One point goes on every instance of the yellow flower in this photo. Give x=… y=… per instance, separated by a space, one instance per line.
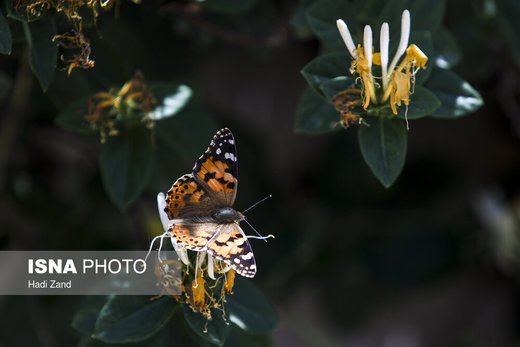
x=133 y=102
x=397 y=82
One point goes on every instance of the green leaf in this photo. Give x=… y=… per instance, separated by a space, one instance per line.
x=507 y=16
x=6 y=40
x=126 y=162
x=422 y=103
x=228 y=7
x=324 y=68
x=423 y=40
x=425 y=14
x=171 y=98
x=249 y=309
x=447 y=51
x=322 y=16
x=332 y=87
x=127 y=318
x=383 y=146
x=73 y=117
x=299 y=22
x=43 y=52
x=240 y=338
x=457 y=96
x=214 y=330
x=314 y=115
x=188 y=132
x=85 y=318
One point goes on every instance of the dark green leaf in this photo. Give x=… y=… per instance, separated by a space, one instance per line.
x=324 y=68
x=127 y=318
x=447 y=51
x=43 y=52
x=457 y=96
x=508 y=11
x=249 y=309
x=422 y=103
x=322 y=16
x=314 y=115
x=425 y=14
x=6 y=40
x=299 y=21
x=73 y=117
x=390 y=12
x=383 y=146
x=228 y=6
x=332 y=87
x=171 y=98
x=188 y=132
x=214 y=330
x=423 y=40
x=126 y=162
x=239 y=338
x=86 y=317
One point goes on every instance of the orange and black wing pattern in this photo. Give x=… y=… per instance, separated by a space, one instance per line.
x=186 y=198
x=225 y=242
x=217 y=169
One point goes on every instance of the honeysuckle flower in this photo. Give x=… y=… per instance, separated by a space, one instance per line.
x=130 y=104
x=205 y=280
x=397 y=80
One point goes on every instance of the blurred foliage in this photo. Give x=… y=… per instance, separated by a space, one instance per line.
x=435 y=251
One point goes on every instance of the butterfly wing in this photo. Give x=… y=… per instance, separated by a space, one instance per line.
x=212 y=184
x=187 y=198
x=226 y=242
x=216 y=169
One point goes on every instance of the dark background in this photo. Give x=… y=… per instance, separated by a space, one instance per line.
x=431 y=261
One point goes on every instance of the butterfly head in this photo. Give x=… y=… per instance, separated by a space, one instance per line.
x=227 y=215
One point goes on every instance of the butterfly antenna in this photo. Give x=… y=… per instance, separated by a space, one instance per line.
x=256 y=203
x=259 y=237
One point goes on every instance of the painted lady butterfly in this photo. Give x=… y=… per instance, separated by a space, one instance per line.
x=200 y=207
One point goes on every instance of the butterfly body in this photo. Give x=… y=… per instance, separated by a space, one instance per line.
x=199 y=206
x=227 y=215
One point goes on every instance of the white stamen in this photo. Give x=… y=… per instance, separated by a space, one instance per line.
x=226 y=268
x=181 y=251
x=160 y=248
x=198 y=265
x=165 y=234
x=347 y=38
x=403 y=43
x=211 y=270
x=367 y=44
x=384 y=41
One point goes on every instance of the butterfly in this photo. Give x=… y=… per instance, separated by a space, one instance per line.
x=199 y=205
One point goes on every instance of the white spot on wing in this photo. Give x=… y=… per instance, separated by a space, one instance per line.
x=230 y=156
